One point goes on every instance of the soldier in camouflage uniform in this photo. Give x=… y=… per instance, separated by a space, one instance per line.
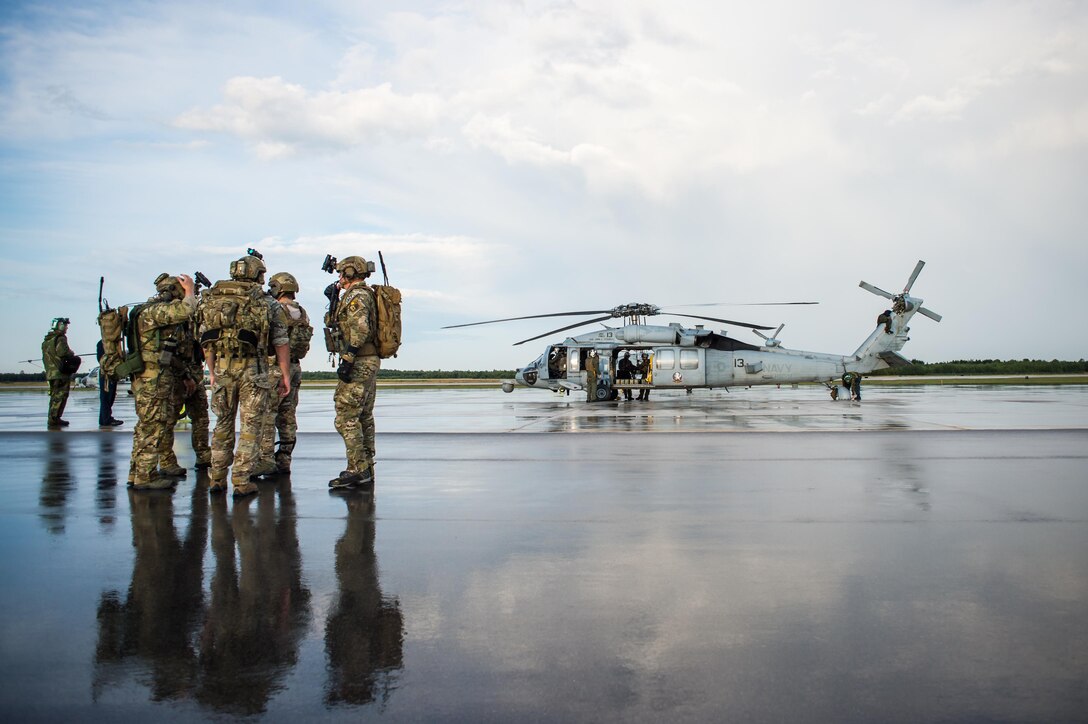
x=356 y=320
x=190 y=395
x=55 y=350
x=280 y=416
x=156 y=324
x=235 y=338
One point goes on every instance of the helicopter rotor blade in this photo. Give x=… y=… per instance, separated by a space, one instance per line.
x=564 y=329
x=723 y=321
x=531 y=316
x=739 y=304
x=930 y=313
x=913 y=276
x=876 y=290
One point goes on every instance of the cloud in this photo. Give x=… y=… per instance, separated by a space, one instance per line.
x=278 y=117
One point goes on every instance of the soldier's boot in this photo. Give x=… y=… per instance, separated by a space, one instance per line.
x=241 y=490
x=172 y=471
x=217 y=486
x=264 y=468
x=153 y=482
x=353 y=479
x=203 y=462
x=283 y=456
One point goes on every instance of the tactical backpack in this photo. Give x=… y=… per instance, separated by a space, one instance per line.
x=387 y=334
x=299 y=331
x=233 y=319
x=133 y=359
x=112 y=323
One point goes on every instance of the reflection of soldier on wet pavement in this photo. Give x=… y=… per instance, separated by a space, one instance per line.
x=57 y=485
x=364 y=633
x=260 y=609
x=148 y=637
x=106 y=497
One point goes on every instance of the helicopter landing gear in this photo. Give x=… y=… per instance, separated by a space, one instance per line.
x=602 y=393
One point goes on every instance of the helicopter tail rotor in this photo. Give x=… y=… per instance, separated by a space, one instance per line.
x=901 y=300
x=876 y=290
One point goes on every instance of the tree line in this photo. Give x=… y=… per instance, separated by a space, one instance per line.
x=988 y=367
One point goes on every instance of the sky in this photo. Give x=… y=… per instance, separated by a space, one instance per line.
x=518 y=158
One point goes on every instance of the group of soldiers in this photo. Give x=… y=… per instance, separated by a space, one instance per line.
x=252 y=341
x=627 y=369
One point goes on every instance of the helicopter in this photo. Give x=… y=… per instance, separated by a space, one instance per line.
x=686 y=358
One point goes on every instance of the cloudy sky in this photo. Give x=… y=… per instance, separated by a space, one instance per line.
x=515 y=158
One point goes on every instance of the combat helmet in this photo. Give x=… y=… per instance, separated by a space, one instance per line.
x=248 y=269
x=355 y=267
x=169 y=286
x=282 y=283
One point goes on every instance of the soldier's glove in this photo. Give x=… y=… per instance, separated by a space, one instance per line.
x=344 y=370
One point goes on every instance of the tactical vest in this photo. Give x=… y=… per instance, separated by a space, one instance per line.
x=233 y=319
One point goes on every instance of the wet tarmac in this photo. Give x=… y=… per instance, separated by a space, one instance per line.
x=920 y=557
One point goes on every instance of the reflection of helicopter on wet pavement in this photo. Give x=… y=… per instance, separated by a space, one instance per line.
x=689 y=358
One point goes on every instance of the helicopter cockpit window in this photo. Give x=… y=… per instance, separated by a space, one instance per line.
x=557 y=362
x=665 y=359
x=689 y=359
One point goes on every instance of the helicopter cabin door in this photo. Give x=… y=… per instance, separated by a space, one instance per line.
x=679 y=367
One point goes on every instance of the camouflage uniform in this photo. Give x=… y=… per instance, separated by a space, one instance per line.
x=54 y=349
x=156 y=323
x=354 y=397
x=280 y=415
x=190 y=369
x=266 y=431
x=241 y=387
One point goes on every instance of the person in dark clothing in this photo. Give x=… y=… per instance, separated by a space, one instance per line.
x=626 y=373
x=107 y=392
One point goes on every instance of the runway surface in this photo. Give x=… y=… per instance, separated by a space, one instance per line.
x=920 y=557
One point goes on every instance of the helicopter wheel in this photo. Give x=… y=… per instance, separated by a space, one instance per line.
x=602 y=394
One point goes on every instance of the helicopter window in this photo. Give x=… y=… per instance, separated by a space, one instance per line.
x=689 y=359
x=573 y=365
x=665 y=359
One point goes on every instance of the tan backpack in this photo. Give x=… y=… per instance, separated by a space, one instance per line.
x=233 y=319
x=387 y=338
x=112 y=323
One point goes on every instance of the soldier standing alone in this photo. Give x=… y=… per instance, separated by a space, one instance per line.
x=356 y=319
x=237 y=327
x=60 y=364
